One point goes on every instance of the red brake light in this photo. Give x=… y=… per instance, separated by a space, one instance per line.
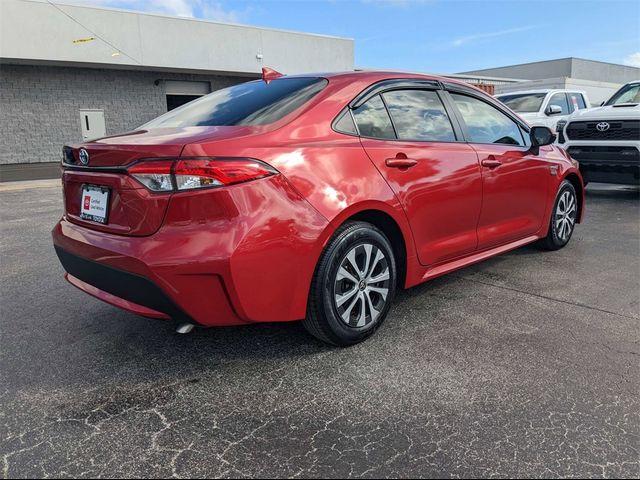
x=197 y=173
x=191 y=173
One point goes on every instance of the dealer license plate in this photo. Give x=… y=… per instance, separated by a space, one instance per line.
x=94 y=204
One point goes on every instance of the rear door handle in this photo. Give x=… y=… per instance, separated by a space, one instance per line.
x=491 y=162
x=400 y=161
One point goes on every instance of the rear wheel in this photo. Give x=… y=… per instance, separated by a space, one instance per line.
x=563 y=217
x=353 y=286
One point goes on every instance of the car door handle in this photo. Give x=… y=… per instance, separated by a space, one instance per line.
x=400 y=161
x=491 y=162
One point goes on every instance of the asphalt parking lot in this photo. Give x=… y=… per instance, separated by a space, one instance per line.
x=524 y=365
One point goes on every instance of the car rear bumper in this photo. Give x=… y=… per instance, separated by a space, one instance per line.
x=243 y=254
x=121 y=279
x=125 y=290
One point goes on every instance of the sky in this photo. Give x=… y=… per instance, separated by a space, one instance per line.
x=438 y=36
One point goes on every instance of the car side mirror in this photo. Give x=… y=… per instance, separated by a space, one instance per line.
x=553 y=110
x=541 y=136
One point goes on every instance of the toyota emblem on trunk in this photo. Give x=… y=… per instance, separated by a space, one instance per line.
x=84 y=156
x=603 y=126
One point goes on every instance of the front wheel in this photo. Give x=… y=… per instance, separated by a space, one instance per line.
x=353 y=286
x=563 y=217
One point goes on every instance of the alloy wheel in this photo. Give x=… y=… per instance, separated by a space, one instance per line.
x=361 y=286
x=565 y=215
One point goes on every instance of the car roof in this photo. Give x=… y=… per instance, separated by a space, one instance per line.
x=372 y=76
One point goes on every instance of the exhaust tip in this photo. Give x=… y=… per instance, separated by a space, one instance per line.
x=185 y=328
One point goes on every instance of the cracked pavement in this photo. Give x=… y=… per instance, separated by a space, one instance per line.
x=525 y=365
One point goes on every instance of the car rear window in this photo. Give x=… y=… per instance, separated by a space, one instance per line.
x=251 y=103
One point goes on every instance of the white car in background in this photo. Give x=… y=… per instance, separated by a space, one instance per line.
x=606 y=140
x=545 y=107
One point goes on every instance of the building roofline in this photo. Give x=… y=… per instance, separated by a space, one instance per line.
x=125 y=67
x=70 y=3
x=547 y=61
x=482 y=77
x=446 y=75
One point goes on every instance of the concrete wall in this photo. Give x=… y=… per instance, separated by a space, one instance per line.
x=33 y=31
x=530 y=71
x=39 y=106
x=601 y=71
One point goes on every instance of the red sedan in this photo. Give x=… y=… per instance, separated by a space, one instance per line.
x=309 y=198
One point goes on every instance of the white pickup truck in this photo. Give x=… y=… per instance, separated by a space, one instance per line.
x=545 y=107
x=606 y=140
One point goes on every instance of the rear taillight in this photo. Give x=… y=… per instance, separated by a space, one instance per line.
x=191 y=173
x=154 y=174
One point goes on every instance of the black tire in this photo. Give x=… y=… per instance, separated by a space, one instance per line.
x=338 y=324
x=559 y=235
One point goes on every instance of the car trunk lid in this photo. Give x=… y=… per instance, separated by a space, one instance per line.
x=100 y=165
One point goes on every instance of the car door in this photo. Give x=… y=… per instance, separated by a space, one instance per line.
x=411 y=139
x=515 y=182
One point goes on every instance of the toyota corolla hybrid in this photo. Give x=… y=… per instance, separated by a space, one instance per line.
x=309 y=198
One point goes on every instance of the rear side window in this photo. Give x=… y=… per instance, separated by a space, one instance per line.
x=344 y=123
x=559 y=99
x=251 y=103
x=373 y=120
x=576 y=102
x=419 y=115
x=485 y=123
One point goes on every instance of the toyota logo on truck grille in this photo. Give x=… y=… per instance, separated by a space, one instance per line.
x=602 y=126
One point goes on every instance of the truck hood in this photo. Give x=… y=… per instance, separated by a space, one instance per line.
x=529 y=116
x=610 y=112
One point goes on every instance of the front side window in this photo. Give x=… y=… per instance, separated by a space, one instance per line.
x=560 y=99
x=627 y=94
x=251 y=103
x=373 y=120
x=485 y=123
x=523 y=102
x=419 y=115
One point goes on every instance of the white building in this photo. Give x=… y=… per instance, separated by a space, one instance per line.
x=69 y=71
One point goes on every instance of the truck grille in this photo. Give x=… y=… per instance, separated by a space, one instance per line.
x=600 y=155
x=618 y=130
